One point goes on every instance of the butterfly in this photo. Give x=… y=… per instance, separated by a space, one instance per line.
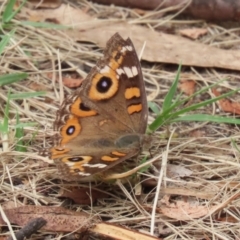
x=102 y=123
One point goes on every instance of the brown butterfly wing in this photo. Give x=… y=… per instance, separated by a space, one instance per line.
x=101 y=124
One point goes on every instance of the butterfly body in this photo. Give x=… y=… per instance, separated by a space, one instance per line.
x=102 y=123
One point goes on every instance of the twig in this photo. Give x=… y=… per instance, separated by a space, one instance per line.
x=31 y=227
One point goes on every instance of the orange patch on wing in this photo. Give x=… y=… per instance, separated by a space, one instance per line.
x=94 y=94
x=132 y=92
x=119 y=154
x=109 y=159
x=75 y=109
x=58 y=152
x=114 y=64
x=134 y=108
x=71 y=122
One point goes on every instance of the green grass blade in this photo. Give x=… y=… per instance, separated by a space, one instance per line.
x=4 y=125
x=158 y=122
x=202 y=104
x=11 y=78
x=144 y=169
x=25 y=95
x=5 y=40
x=207 y=118
x=19 y=135
x=171 y=113
x=182 y=102
x=170 y=95
x=203 y=90
x=9 y=12
x=44 y=25
x=154 y=107
x=235 y=145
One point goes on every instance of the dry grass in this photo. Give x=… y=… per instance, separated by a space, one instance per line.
x=27 y=178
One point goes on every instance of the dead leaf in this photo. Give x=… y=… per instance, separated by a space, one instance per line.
x=177 y=171
x=227 y=105
x=193 y=33
x=48 y=100
x=8 y=204
x=37 y=87
x=188 y=87
x=63 y=220
x=58 y=219
x=160 y=47
x=64 y=14
x=84 y=196
x=185 y=210
x=197 y=133
x=71 y=81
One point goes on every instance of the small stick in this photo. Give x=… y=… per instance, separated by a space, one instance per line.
x=30 y=228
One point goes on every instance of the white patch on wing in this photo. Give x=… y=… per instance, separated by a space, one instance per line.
x=119 y=71
x=98 y=165
x=106 y=69
x=68 y=106
x=123 y=50
x=70 y=164
x=129 y=48
x=128 y=72
x=134 y=71
x=75 y=98
x=83 y=174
